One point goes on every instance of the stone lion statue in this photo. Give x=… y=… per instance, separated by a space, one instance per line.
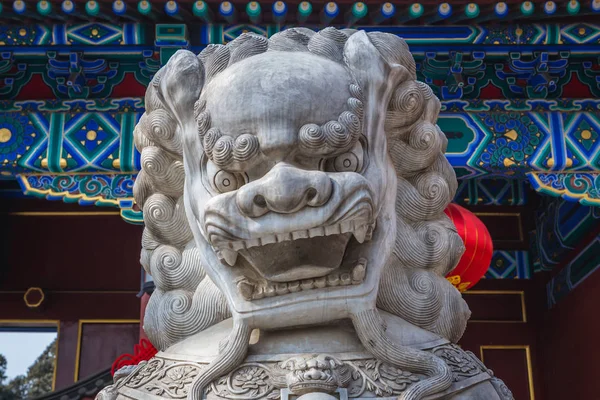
x=293 y=191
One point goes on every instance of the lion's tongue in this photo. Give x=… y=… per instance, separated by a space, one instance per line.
x=298 y=259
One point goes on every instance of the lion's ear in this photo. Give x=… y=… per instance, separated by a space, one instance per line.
x=180 y=84
x=372 y=72
x=377 y=79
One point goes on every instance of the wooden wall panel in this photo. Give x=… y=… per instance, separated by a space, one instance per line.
x=513 y=364
x=496 y=305
x=569 y=335
x=70 y=252
x=504 y=332
x=101 y=342
x=72 y=306
x=67 y=351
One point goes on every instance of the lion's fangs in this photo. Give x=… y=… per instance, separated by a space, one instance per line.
x=228 y=251
x=252 y=291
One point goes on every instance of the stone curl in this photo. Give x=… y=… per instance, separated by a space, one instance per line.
x=163 y=129
x=413 y=294
x=164 y=171
x=328 y=43
x=215 y=58
x=333 y=137
x=425 y=300
x=223 y=150
x=294 y=39
x=174 y=269
x=151 y=99
x=140 y=140
x=166 y=220
x=419 y=151
x=246 y=45
x=142 y=189
x=173 y=315
x=406 y=105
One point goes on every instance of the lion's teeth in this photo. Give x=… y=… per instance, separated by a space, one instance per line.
x=236 y=246
x=229 y=256
x=314 y=232
x=307 y=284
x=269 y=239
x=300 y=235
x=345 y=226
x=246 y=289
x=283 y=237
x=333 y=279
x=359 y=271
x=370 y=231
x=252 y=243
x=293 y=286
x=320 y=282
x=281 y=288
x=259 y=293
x=270 y=290
x=332 y=230
x=345 y=279
x=360 y=233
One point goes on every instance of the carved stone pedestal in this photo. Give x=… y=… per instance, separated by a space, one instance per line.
x=315 y=363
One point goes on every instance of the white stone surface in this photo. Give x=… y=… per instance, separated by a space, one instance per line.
x=294 y=187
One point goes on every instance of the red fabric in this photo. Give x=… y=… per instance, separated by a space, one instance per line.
x=141 y=352
x=478 y=247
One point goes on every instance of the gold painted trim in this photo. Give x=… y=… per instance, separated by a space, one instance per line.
x=39 y=302
x=80 y=334
x=40 y=322
x=508 y=214
x=56 y=357
x=527 y=357
x=29 y=321
x=27 y=189
x=541 y=187
x=521 y=293
x=62 y=213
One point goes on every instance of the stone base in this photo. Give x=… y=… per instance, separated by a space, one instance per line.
x=290 y=364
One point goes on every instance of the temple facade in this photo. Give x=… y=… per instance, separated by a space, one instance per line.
x=519 y=84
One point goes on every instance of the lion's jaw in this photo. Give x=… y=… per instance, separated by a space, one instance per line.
x=284 y=253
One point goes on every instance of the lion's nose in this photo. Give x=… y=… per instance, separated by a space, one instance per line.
x=285 y=190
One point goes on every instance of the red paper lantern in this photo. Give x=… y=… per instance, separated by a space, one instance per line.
x=478 y=248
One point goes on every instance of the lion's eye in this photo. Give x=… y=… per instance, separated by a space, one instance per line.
x=226 y=181
x=347 y=162
x=350 y=161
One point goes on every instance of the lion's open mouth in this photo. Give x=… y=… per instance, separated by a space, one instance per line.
x=278 y=264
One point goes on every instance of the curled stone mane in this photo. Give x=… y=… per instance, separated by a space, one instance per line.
x=185 y=301
x=426 y=248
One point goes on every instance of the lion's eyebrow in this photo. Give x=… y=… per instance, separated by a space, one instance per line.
x=233 y=165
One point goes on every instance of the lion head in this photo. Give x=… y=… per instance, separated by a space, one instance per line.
x=314 y=187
